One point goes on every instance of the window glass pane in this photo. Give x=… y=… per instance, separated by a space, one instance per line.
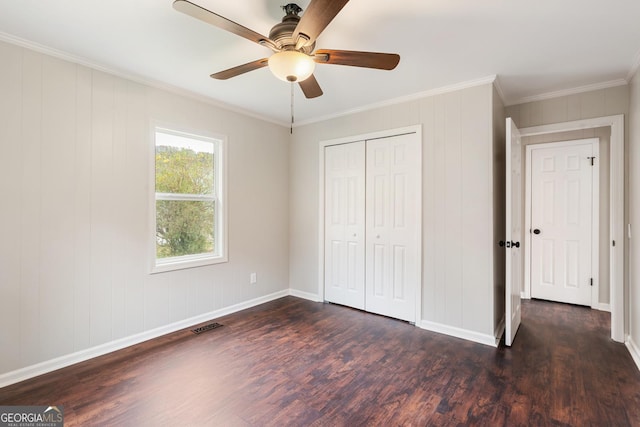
x=183 y=165
x=184 y=228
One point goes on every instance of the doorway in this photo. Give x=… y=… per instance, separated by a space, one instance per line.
x=562 y=215
x=616 y=245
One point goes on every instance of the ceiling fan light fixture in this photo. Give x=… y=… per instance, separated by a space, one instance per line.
x=291 y=66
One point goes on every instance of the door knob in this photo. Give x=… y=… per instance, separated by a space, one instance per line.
x=509 y=244
x=536 y=231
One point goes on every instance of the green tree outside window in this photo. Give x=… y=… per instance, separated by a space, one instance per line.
x=185 y=196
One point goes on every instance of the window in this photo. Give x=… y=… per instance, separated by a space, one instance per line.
x=189 y=210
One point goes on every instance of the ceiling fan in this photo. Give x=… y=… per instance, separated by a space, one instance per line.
x=293 y=43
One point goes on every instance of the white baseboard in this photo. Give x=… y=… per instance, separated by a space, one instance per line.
x=602 y=307
x=83 y=355
x=460 y=333
x=305 y=295
x=634 y=350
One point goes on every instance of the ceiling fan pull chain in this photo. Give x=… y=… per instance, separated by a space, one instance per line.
x=291 y=108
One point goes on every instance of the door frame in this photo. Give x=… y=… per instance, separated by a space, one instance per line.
x=417 y=130
x=616 y=207
x=595 y=216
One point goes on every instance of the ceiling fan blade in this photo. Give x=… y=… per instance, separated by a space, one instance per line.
x=241 y=69
x=380 y=61
x=212 y=18
x=310 y=87
x=315 y=19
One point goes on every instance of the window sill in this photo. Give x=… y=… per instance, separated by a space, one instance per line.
x=187 y=262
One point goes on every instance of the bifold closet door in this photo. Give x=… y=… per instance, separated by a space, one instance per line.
x=393 y=167
x=344 y=224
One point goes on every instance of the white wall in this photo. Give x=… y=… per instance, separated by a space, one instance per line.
x=458 y=201
x=75 y=154
x=634 y=217
x=586 y=105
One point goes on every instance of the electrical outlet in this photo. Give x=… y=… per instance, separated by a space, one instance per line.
x=253 y=278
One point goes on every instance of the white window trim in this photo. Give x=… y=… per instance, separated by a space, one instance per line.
x=220 y=200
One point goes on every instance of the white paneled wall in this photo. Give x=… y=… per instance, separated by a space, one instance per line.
x=11 y=248
x=634 y=218
x=75 y=159
x=586 y=105
x=458 y=201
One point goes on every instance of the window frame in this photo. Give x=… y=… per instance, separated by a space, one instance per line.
x=220 y=254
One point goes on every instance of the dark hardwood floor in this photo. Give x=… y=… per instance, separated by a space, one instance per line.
x=294 y=362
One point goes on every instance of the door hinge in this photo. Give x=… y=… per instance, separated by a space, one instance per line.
x=613 y=243
x=591 y=281
x=591 y=158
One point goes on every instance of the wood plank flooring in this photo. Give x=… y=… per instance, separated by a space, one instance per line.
x=293 y=362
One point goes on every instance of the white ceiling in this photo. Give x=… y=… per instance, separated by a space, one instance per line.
x=535 y=47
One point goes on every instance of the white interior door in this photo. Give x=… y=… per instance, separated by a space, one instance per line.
x=562 y=221
x=344 y=224
x=513 y=207
x=393 y=234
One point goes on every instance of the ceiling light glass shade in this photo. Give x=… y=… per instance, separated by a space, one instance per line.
x=291 y=66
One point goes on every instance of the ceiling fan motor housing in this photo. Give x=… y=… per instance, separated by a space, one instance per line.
x=281 y=33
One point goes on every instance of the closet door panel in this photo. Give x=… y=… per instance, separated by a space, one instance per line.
x=392 y=235
x=344 y=224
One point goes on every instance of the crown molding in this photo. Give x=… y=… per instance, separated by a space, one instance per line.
x=46 y=50
x=498 y=87
x=395 y=101
x=566 y=92
x=634 y=67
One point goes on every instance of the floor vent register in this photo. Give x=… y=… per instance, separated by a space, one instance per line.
x=207 y=327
